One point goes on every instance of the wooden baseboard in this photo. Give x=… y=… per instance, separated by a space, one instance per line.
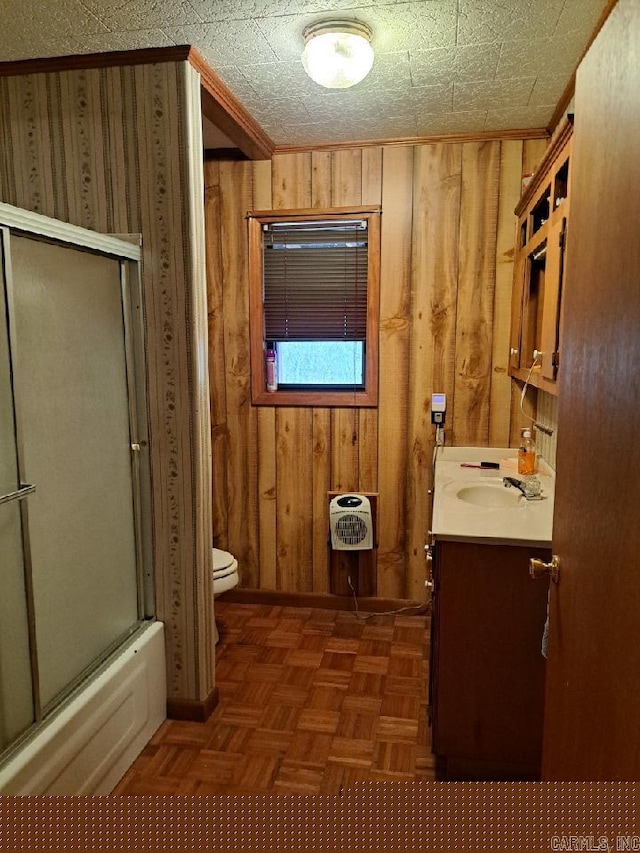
x=275 y=598
x=194 y=710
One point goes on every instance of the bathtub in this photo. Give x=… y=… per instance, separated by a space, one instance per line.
x=88 y=744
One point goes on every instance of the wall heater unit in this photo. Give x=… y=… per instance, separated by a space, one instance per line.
x=351 y=523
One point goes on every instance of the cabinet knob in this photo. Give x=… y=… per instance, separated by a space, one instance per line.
x=513 y=351
x=539 y=569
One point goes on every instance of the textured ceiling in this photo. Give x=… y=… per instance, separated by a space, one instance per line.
x=441 y=67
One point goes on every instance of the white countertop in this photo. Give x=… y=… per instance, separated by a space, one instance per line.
x=530 y=522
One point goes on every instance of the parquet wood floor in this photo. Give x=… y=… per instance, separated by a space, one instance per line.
x=310 y=701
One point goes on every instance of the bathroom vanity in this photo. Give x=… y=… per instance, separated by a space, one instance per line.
x=487 y=669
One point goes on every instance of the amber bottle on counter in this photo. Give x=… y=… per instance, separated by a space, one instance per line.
x=527 y=460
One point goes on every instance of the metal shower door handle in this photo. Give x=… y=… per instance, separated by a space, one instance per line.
x=20 y=494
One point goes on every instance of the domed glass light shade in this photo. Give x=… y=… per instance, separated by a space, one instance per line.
x=337 y=54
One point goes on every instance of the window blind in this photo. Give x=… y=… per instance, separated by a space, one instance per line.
x=315 y=281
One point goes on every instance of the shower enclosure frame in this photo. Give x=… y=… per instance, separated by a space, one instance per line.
x=127 y=253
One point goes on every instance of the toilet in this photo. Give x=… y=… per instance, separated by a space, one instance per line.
x=225 y=574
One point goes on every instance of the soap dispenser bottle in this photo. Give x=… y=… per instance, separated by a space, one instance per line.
x=527 y=461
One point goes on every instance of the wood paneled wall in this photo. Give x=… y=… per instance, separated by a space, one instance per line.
x=448 y=234
x=119 y=149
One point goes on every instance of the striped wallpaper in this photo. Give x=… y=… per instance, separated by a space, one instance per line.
x=118 y=150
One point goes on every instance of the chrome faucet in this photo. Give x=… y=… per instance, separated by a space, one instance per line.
x=530 y=487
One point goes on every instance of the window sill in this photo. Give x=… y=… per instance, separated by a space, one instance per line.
x=338 y=399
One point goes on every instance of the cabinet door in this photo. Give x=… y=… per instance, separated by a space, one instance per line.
x=534 y=299
x=554 y=277
x=488 y=683
x=539 y=268
x=516 y=313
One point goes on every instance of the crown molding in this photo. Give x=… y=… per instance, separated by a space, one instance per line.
x=221 y=107
x=482 y=136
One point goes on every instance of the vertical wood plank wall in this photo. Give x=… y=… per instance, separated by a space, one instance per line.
x=448 y=234
x=119 y=150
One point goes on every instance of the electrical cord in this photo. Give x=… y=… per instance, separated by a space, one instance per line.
x=545 y=429
x=365 y=616
x=440 y=441
x=525 y=388
x=426 y=605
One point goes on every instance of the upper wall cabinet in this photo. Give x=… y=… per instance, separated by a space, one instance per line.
x=536 y=319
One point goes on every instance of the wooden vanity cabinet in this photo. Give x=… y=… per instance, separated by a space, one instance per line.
x=541 y=236
x=487 y=669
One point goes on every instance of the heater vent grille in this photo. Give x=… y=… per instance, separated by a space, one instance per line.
x=351 y=523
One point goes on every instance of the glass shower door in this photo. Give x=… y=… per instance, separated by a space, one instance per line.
x=16 y=694
x=72 y=397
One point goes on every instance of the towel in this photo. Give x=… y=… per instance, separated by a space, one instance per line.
x=545 y=633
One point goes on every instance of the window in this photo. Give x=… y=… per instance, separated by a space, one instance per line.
x=314 y=284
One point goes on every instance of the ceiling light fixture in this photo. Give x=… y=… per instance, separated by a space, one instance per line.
x=338 y=53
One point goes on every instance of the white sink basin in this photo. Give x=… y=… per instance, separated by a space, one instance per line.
x=473 y=505
x=491 y=495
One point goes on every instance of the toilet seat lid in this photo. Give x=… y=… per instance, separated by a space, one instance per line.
x=221 y=559
x=223 y=573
